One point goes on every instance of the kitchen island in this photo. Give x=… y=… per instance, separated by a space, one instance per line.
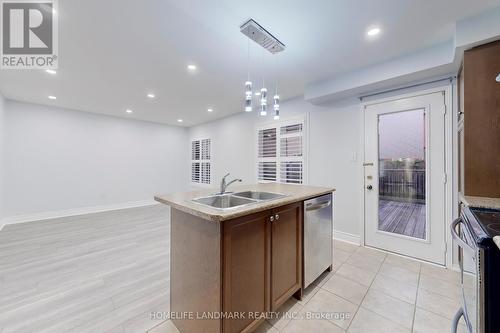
x=231 y=267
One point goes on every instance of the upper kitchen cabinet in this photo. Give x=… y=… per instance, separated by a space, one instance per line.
x=479 y=136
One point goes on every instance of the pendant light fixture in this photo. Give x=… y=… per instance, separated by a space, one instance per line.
x=248 y=96
x=248 y=83
x=263 y=101
x=261 y=36
x=263 y=90
x=276 y=98
x=276 y=107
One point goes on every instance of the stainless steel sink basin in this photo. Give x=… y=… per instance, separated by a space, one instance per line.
x=257 y=195
x=233 y=200
x=224 y=201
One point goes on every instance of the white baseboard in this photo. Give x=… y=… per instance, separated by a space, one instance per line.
x=72 y=212
x=346 y=237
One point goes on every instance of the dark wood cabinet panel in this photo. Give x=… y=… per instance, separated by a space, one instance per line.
x=262 y=260
x=481 y=95
x=286 y=251
x=246 y=269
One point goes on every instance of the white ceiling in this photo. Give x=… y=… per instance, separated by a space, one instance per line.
x=113 y=52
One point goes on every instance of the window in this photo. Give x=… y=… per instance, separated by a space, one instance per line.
x=200 y=161
x=281 y=152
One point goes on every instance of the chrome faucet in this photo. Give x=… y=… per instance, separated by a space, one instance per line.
x=224 y=185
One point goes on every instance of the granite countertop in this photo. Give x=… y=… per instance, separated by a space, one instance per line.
x=294 y=193
x=480 y=202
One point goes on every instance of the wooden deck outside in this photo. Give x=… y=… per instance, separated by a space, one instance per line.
x=404 y=218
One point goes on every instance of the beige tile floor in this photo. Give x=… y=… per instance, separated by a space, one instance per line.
x=376 y=292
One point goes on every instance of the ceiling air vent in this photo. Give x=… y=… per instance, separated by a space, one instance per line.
x=261 y=36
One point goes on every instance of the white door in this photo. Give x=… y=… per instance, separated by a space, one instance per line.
x=405 y=176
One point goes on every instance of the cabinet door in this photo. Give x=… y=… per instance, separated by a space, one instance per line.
x=247 y=265
x=286 y=252
x=481 y=121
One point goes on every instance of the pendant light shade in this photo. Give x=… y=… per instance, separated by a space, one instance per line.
x=248 y=96
x=263 y=102
x=276 y=107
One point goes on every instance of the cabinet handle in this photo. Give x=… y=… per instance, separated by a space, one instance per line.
x=277 y=217
x=271 y=219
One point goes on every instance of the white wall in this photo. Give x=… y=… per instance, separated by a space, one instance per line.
x=58 y=159
x=334 y=136
x=2 y=144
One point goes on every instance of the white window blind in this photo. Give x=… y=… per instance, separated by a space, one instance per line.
x=281 y=152
x=200 y=161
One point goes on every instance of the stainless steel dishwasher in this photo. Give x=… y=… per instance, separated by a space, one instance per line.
x=318 y=237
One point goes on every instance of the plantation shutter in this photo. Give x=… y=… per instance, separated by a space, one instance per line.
x=291 y=154
x=267 y=154
x=281 y=153
x=200 y=161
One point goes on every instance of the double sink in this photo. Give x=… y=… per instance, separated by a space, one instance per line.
x=238 y=199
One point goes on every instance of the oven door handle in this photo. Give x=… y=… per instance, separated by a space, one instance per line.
x=456 y=319
x=459 y=239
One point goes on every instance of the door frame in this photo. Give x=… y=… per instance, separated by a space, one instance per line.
x=450 y=204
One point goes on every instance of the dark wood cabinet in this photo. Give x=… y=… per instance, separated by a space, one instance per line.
x=262 y=264
x=286 y=252
x=479 y=134
x=246 y=269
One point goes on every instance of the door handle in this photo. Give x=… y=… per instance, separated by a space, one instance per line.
x=271 y=219
x=276 y=217
x=369 y=187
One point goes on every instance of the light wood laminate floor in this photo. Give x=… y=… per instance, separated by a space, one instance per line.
x=101 y=272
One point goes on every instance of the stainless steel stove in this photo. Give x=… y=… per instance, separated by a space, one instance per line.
x=479 y=259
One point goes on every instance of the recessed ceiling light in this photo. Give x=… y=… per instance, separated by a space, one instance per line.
x=150 y=95
x=179 y=120
x=51 y=71
x=192 y=67
x=210 y=110
x=257 y=93
x=129 y=111
x=373 y=31
x=52 y=97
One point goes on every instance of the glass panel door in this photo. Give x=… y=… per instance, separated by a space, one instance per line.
x=405 y=176
x=402 y=173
